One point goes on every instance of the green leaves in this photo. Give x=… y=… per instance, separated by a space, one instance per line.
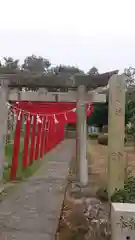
x=126 y=195
x=36 y=64
x=100 y=115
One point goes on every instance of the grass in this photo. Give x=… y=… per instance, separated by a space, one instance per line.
x=21 y=173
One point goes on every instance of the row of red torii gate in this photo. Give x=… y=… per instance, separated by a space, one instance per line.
x=44 y=129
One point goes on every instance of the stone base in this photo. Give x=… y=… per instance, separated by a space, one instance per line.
x=102 y=194
x=78 y=191
x=77 y=198
x=72 y=178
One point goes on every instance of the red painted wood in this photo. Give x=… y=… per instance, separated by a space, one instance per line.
x=25 y=159
x=16 y=147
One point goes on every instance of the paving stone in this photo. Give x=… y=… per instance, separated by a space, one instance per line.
x=33 y=210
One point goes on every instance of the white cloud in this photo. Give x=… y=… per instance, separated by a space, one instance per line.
x=86 y=33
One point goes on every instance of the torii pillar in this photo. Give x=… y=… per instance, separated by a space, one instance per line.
x=82 y=162
x=3 y=123
x=81 y=142
x=116 y=134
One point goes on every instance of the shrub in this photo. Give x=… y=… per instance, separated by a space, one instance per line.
x=93 y=135
x=103 y=139
x=126 y=195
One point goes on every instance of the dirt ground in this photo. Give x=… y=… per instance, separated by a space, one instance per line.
x=97 y=157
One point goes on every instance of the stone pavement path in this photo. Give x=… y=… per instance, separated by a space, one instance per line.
x=32 y=211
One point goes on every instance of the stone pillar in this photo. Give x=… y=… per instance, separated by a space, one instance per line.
x=7 y=140
x=82 y=164
x=3 y=123
x=116 y=133
x=18 y=94
x=42 y=93
x=57 y=98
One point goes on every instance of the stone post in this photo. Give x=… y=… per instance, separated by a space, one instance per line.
x=18 y=94
x=42 y=93
x=57 y=98
x=116 y=133
x=82 y=164
x=7 y=140
x=3 y=123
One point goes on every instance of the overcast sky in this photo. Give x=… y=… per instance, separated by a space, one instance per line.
x=74 y=32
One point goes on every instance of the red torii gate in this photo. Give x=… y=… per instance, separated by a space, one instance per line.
x=44 y=128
